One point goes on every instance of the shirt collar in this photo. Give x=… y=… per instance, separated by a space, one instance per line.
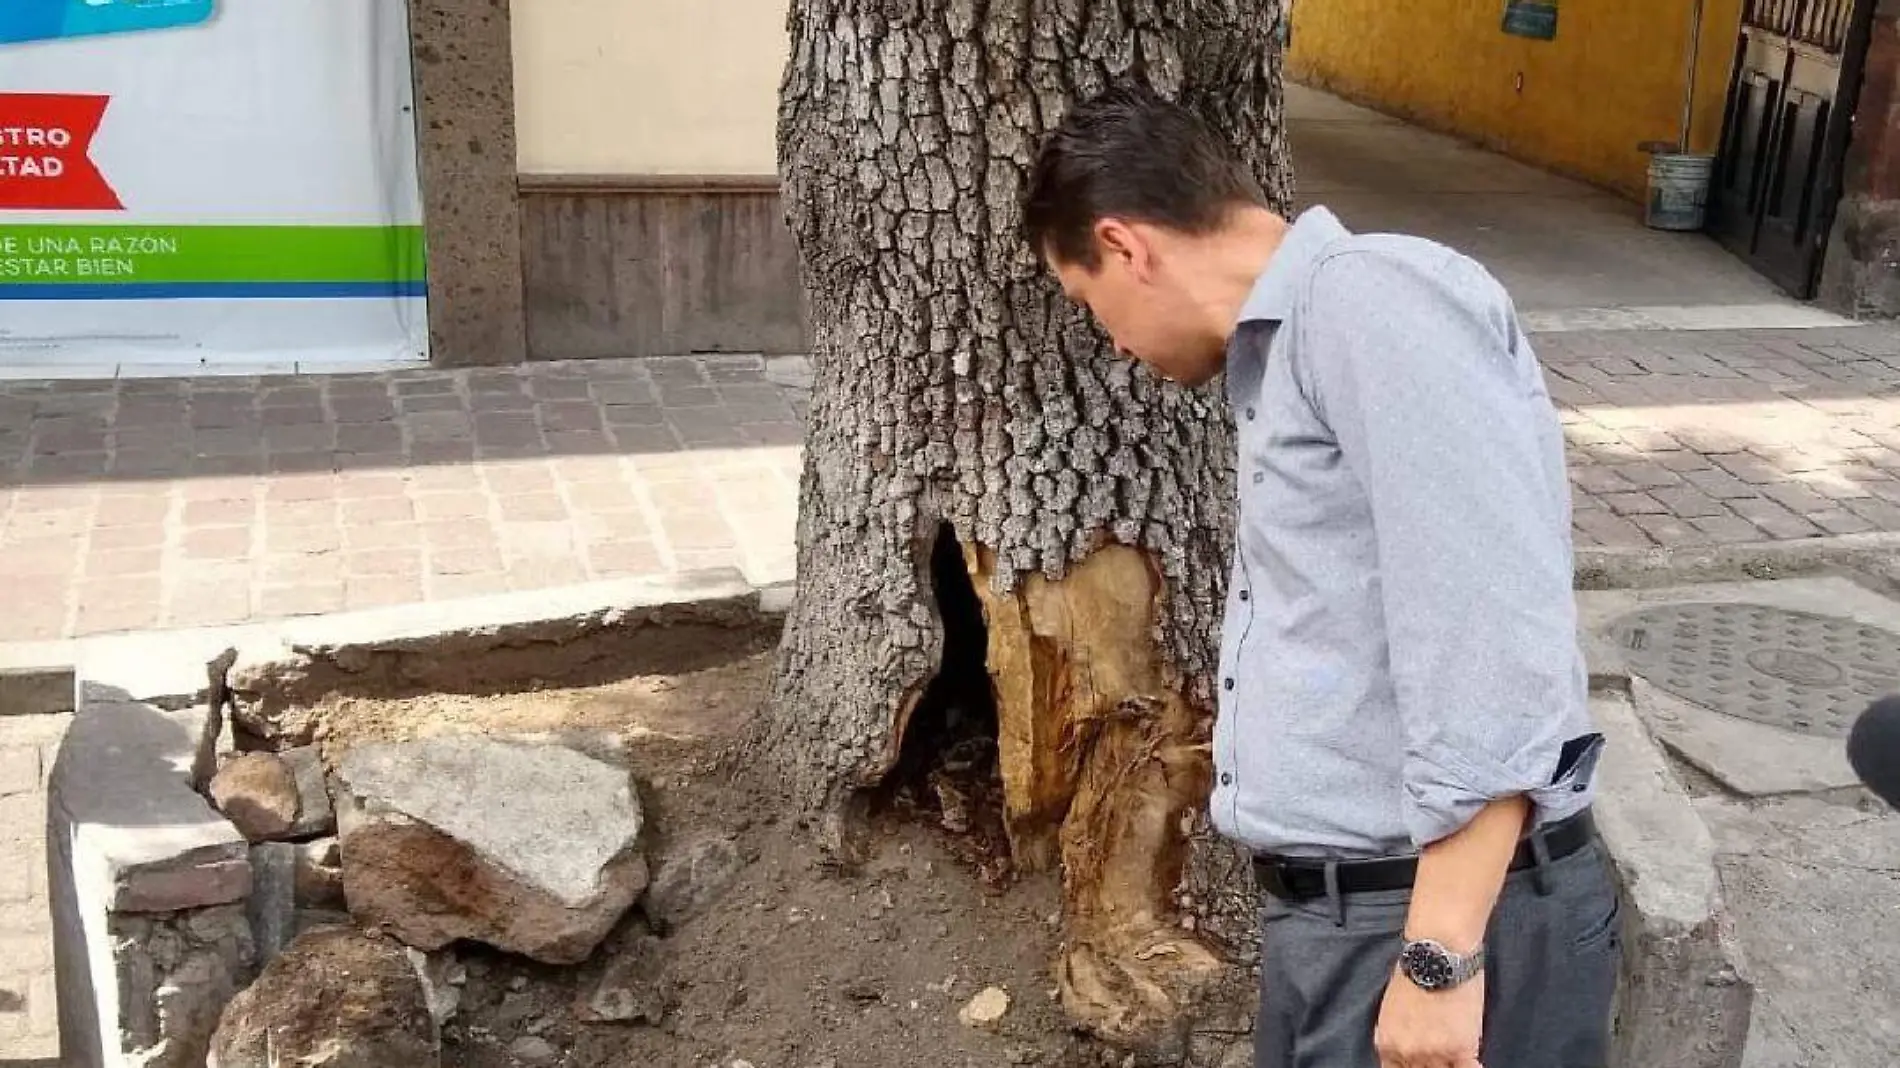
x=1274 y=292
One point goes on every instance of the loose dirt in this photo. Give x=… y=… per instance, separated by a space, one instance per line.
x=800 y=963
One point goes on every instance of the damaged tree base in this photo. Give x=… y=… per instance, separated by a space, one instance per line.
x=1104 y=765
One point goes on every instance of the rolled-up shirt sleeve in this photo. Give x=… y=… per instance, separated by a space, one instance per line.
x=1416 y=367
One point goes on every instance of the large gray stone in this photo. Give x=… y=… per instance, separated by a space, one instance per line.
x=530 y=849
x=335 y=998
x=1685 y=998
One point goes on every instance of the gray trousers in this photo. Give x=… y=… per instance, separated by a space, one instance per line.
x=1550 y=972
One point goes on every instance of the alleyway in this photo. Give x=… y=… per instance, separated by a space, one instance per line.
x=1573 y=256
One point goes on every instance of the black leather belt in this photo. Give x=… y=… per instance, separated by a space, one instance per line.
x=1304 y=878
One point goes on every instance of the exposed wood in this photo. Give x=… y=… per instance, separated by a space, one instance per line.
x=1102 y=754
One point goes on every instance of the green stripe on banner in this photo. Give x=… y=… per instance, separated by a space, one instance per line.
x=105 y=255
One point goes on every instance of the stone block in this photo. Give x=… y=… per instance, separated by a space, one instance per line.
x=143 y=840
x=272 y=906
x=35 y=691
x=1684 y=999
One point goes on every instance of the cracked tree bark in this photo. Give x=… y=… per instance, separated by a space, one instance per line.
x=953 y=383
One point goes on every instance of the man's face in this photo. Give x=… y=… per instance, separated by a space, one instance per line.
x=1136 y=292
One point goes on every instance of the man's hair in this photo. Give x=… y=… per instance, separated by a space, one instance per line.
x=1129 y=153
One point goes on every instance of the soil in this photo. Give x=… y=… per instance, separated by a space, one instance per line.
x=803 y=962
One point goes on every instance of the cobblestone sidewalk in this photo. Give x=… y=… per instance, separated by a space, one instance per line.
x=167 y=503
x=143 y=503
x=1698 y=438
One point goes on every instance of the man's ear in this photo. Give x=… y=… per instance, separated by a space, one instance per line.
x=1118 y=241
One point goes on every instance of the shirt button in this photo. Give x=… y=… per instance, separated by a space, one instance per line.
x=1250 y=415
x=1226 y=779
x=1259 y=477
x=1245 y=596
x=1227 y=684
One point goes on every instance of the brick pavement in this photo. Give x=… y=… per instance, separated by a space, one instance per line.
x=165 y=503
x=1720 y=437
x=143 y=503
x=29 y=1011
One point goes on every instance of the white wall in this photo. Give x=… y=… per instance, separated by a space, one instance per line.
x=628 y=87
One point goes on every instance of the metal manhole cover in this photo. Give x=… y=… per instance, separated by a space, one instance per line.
x=1794 y=670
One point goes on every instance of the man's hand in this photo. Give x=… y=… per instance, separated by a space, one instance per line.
x=1459 y=879
x=1430 y=1029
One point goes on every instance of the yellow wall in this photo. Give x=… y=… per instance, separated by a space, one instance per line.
x=1610 y=80
x=631 y=87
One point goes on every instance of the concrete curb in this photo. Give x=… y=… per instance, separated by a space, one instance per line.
x=1683 y=999
x=168 y=667
x=1599 y=569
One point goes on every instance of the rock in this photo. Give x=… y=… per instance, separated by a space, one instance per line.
x=315 y=814
x=257 y=792
x=442 y=978
x=173 y=973
x=530 y=849
x=691 y=880
x=319 y=875
x=272 y=906
x=335 y=998
x=985 y=1009
x=631 y=988
x=533 y=1049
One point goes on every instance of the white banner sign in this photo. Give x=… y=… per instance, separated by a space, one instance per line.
x=208 y=182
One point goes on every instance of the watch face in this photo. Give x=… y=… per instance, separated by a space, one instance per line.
x=1427 y=964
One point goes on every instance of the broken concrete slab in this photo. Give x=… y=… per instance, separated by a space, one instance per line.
x=1812 y=883
x=494 y=643
x=315 y=814
x=1684 y=999
x=530 y=849
x=1749 y=758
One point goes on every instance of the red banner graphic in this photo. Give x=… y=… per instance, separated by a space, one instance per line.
x=45 y=140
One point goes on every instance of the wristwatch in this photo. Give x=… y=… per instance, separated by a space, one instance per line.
x=1430 y=966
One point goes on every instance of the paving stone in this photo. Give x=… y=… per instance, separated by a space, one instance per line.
x=646 y=465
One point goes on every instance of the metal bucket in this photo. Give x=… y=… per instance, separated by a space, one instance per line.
x=1678 y=190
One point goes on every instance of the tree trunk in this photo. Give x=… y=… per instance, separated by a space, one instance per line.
x=954 y=385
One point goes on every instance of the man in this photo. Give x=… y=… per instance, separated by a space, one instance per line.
x=1403 y=737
